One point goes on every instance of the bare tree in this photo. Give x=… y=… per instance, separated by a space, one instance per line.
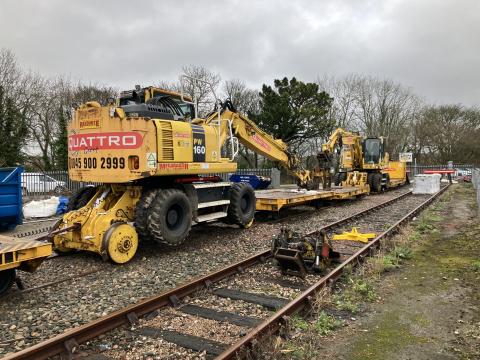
x=201 y=90
x=344 y=105
x=448 y=132
x=375 y=107
x=245 y=100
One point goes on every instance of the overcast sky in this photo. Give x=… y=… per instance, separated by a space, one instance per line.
x=432 y=46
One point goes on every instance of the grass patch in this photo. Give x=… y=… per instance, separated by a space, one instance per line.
x=345 y=304
x=402 y=252
x=476 y=265
x=390 y=333
x=389 y=262
x=423 y=226
x=415 y=236
x=305 y=349
x=364 y=289
x=325 y=324
x=299 y=323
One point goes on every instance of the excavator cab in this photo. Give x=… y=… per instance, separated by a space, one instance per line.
x=156 y=103
x=373 y=150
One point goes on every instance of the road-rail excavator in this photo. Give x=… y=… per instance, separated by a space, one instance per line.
x=363 y=155
x=154 y=156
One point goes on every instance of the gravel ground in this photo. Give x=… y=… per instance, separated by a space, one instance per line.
x=28 y=318
x=129 y=343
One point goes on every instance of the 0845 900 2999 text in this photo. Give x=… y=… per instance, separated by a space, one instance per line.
x=94 y=163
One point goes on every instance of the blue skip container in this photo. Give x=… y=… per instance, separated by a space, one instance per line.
x=10 y=197
x=257 y=182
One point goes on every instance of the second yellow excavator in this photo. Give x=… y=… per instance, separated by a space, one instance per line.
x=364 y=155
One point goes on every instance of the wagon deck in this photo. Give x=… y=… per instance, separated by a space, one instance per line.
x=26 y=254
x=276 y=199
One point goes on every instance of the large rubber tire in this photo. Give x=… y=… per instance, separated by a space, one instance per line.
x=242 y=204
x=369 y=180
x=7 y=278
x=376 y=184
x=141 y=213
x=170 y=217
x=81 y=197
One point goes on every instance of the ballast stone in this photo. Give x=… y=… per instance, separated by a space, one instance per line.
x=426 y=184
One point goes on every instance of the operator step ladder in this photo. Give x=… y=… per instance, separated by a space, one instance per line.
x=215 y=203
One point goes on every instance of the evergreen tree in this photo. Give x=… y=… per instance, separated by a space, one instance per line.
x=60 y=146
x=295 y=111
x=13 y=131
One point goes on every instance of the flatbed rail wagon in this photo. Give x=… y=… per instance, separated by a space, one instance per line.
x=276 y=199
x=19 y=254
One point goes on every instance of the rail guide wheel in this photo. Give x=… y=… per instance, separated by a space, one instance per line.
x=120 y=242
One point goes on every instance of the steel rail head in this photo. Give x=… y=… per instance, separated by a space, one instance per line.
x=274 y=323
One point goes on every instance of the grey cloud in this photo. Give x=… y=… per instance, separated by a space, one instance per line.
x=428 y=45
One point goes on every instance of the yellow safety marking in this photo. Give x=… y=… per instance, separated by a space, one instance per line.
x=354 y=235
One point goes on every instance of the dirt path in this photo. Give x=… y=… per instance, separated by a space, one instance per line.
x=430 y=308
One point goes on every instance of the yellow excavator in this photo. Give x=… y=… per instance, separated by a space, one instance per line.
x=154 y=156
x=364 y=155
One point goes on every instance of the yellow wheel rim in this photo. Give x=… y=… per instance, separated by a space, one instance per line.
x=122 y=243
x=248 y=224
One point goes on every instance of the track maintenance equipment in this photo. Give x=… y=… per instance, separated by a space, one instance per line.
x=365 y=155
x=297 y=254
x=18 y=254
x=354 y=235
x=153 y=155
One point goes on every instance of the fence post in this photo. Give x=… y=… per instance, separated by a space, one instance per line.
x=275 y=176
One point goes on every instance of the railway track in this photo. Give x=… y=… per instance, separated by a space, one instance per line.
x=287 y=217
x=145 y=322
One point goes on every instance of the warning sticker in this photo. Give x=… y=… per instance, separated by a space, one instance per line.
x=151 y=160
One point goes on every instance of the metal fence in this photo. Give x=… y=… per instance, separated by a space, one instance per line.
x=44 y=184
x=460 y=169
x=476 y=186
x=37 y=185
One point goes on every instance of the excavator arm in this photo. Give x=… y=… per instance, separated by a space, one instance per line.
x=257 y=140
x=345 y=144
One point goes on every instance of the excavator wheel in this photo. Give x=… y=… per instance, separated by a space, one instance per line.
x=170 y=217
x=369 y=180
x=141 y=213
x=339 y=177
x=242 y=205
x=376 y=183
x=81 y=197
x=7 y=278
